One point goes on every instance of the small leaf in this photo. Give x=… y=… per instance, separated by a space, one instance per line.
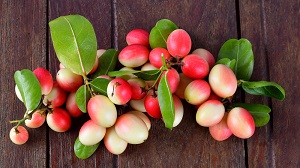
x=83 y=151
x=259 y=112
x=107 y=62
x=265 y=88
x=75 y=43
x=145 y=75
x=166 y=102
x=82 y=97
x=100 y=85
x=241 y=51
x=226 y=61
x=160 y=32
x=29 y=87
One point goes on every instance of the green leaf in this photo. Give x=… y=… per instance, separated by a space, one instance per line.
x=82 y=97
x=229 y=63
x=166 y=102
x=75 y=43
x=241 y=51
x=264 y=88
x=145 y=75
x=29 y=87
x=259 y=112
x=83 y=151
x=107 y=62
x=100 y=85
x=160 y=32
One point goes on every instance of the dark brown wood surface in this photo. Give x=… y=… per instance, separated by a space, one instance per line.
x=273 y=27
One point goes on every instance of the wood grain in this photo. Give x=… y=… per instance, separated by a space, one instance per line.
x=22 y=45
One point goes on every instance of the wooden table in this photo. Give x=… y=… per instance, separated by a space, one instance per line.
x=271 y=26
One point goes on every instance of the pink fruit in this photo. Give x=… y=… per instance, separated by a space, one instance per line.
x=95 y=66
x=197 y=92
x=19 y=136
x=91 y=133
x=134 y=55
x=155 y=56
x=113 y=143
x=100 y=52
x=195 y=67
x=68 y=80
x=56 y=97
x=45 y=79
x=142 y=116
x=173 y=79
x=119 y=91
x=102 y=111
x=71 y=105
x=183 y=82
x=152 y=106
x=206 y=55
x=138 y=88
x=138 y=36
x=131 y=128
x=179 y=43
x=138 y=104
x=59 y=120
x=222 y=80
x=37 y=119
x=210 y=113
x=178 y=110
x=220 y=131
x=241 y=123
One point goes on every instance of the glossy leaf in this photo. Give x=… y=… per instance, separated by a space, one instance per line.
x=100 y=85
x=264 y=88
x=107 y=62
x=166 y=102
x=83 y=151
x=75 y=43
x=82 y=97
x=259 y=112
x=29 y=87
x=145 y=75
x=241 y=51
x=160 y=32
x=229 y=63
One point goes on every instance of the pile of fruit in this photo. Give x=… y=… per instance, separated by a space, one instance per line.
x=152 y=75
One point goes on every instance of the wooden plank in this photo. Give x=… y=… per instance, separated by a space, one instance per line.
x=22 y=45
x=61 y=153
x=210 y=24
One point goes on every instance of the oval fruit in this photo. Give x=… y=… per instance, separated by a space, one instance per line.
x=210 y=113
x=91 y=133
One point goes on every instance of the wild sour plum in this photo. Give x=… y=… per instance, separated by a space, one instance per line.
x=138 y=104
x=241 y=123
x=71 y=105
x=37 y=119
x=131 y=128
x=156 y=55
x=56 y=97
x=18 y=136
x=119 y=91
x=183 y=82
x=195 y=67
x=152 y=106
x=68 y=80
x=206 y=55
x=139 y=88
x=45 y=79
x=138 y=36
x=172 y=78
x=222 y=80
x=142 y=116
x=102 y=111
x=220 y=131
x=178 y=110
x=134 y=55
x=197 y=92
x=59 y=120
x=210 y=113
x=91 y=133
x=179 y=43
x=113 y=142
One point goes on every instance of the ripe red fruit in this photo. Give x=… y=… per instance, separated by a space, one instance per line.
x=220 y=131
x=68 y=80
x=37 y=119
x=45 y=79
x=195 y=67
x=56 y=97
x=241 y=123
x=179 y=43
x=206 y=55
x=156 y=54
x=152 y=106
x=119 y=91
x=134 y=55
x=222 y=80
x=18 y=136
x=59 y=120
x=71 y=105
x=197 y=92
x=138 y=36
x=183 y=82
x=139 y=88
x=172 y=78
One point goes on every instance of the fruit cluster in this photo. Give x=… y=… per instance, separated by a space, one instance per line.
x=157 y=71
